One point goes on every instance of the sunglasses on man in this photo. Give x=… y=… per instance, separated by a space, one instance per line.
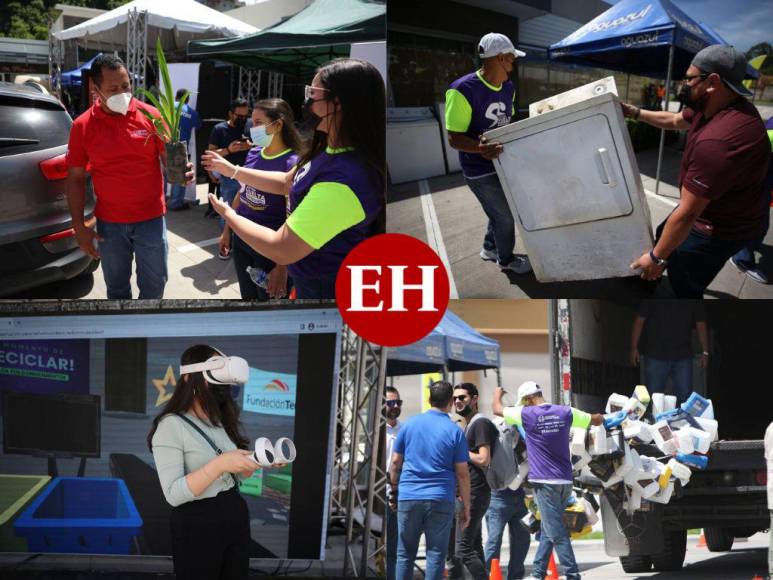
x=460 y=398
x=394 y=403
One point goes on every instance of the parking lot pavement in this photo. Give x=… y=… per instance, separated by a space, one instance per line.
x=443 y=212
x=747 y=560
x=195 y=271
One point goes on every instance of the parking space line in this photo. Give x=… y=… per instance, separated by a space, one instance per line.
x=203 y=244
x=434 y=235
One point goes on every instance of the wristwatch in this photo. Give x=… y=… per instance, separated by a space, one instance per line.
x=658 y=261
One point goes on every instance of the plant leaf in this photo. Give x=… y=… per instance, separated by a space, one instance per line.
x=161 y=109
x=164 y=70
x=179 y=113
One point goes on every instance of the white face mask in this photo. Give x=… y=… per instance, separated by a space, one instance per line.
x=118 y=103
x=259 y=137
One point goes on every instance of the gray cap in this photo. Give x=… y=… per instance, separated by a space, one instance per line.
x=494 y=43
x=727 y=62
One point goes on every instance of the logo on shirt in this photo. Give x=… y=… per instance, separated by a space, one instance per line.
x=301 y=173
x=255 y=199
x=139 y=133
x=703 y=185
x=497 y=114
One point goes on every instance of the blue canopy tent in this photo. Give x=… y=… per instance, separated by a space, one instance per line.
x=643 y=37
x=452 y=346
x=74 y=78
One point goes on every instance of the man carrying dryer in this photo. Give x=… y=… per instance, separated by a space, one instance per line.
x=476 y=103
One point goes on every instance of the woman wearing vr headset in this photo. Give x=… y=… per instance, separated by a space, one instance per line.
x=201 y=455
x=336 y=193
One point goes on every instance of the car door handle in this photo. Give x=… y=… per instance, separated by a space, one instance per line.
x=605 y=166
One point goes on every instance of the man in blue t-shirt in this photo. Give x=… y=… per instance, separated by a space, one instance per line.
x=188 y=122
x=476 y=103
x=429 y=459
x=546 y=428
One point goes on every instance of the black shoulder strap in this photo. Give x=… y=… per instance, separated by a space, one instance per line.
x=207 y=439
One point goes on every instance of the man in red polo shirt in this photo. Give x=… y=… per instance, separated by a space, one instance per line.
x=125 y=158
x=721 y=207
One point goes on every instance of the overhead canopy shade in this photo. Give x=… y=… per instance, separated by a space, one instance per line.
x=322 y=31
x=175 y=22
x=467 y=349
x=635 y=36
x=424 y=356
x=74 y=78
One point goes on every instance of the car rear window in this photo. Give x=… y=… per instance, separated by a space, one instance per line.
x=30 y=125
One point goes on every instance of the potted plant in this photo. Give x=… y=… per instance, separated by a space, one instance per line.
x=168 y=124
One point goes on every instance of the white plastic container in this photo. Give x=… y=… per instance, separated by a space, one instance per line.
x=670 y=403
x=638 y=430
x=577 y=446
x=599 y=440
x=710 y=426
x=658 y=403
x=616 y=402
x=665 y=438
x=701 y=440
x=664 y=495
x=686 y=445
x=680 y=471
x=642 y=394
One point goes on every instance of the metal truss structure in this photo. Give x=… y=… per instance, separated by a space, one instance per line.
x=137 y=49
x=249 y=84
x=55 y=59
x=275 y=85
x=358 y=497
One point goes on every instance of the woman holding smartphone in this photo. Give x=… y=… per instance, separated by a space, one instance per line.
x=336 y=193
x=201 y=456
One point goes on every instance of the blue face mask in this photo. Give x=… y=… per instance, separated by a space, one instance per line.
x=259 y=137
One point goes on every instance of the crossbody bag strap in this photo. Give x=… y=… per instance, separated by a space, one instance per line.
x=208 y=440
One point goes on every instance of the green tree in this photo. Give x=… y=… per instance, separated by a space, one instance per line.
x=31 y=18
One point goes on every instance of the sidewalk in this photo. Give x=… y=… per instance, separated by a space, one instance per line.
x=443 y=212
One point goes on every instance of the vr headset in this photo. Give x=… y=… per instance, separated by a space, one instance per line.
x=220 y=369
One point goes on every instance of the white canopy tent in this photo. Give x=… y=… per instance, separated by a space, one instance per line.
x=134 y=28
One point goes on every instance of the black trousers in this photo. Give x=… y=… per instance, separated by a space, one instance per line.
x=469 y=541
x=211 y=538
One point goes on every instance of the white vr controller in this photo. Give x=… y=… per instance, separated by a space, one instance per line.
x=267 y=454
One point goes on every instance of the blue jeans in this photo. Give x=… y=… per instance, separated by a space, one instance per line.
x=391 y=544
x=745 y=255
x=506 y=509
x=176 y=197
x=322 y=287
x=500 y=233
x=146 y=243
x=551 y=501
x=228 y=190
x=657 y=371
x=431 y=518
x=695 y=263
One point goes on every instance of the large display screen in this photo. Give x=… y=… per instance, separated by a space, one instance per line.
x=129 y=364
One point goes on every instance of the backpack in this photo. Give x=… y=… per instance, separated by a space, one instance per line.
x=502 y=469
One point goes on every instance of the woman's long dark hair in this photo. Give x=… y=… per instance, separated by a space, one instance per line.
x=279 y=110
x=193 y=386
x=359 y=88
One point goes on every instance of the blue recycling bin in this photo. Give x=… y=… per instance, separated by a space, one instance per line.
x=81 y=515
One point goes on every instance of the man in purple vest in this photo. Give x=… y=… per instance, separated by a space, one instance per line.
x=475 y=103
x=546 y=429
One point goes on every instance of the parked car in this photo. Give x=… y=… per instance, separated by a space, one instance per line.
x=37 y=242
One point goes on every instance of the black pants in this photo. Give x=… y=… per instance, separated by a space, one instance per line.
x=244 y=256
x=469 y=541
x=211 y=538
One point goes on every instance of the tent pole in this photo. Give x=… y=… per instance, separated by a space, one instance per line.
x=499 y=377
x=663 y=131
x=627 y=87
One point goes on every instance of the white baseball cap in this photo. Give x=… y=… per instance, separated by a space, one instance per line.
x=528 y=389
x=494 y=43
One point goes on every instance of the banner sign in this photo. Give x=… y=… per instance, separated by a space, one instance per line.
x=270 y=393
x=45 y=366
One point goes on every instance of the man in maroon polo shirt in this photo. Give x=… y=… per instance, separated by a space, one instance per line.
x=721 y=207
x=125 y=156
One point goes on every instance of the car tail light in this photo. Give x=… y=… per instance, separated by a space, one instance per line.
x=761 y=477
x=59 y=241
x=54 y=168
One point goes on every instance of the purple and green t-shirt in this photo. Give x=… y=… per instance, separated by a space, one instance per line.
x=334 y=200
x=547 y=438
x=474 y=106
x=266 y=209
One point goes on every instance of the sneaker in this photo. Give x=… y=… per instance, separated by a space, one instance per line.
x=518 y=265
x=488 y=255
x=757 y=275
x=738 y=265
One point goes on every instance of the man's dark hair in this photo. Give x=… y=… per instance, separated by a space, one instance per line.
x=391 y=390
x=471 y=389
x=179 y=95
x=105 y=61
x=236 y=103
x=440 y=394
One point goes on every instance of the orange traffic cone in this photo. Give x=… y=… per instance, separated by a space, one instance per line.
x=702 y=540
x=758 y=577
x=552 y=568
x=496 y=572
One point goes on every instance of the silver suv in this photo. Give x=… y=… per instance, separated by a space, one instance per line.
x=37 y=243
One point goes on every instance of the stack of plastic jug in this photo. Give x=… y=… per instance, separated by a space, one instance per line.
x=682 y=434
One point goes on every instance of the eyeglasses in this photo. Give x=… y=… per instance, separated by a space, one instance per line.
x=701 y=76
x=460 y=398
x=308 y=89
x=394 y=403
